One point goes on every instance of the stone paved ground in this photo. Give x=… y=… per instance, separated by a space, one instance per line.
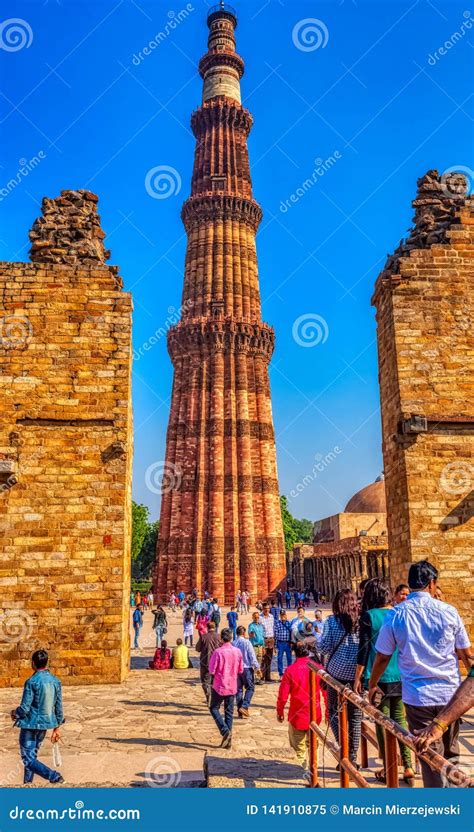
x=156 y=725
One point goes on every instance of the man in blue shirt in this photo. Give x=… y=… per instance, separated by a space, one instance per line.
x=283 y=641
x=40 y=708
x=232 y=619
x=428 y=634
x=137 y=624
x=246 y=680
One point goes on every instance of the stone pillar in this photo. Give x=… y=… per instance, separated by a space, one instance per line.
x=424 y=301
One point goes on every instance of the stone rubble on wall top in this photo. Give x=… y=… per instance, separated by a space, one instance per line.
x=437 y=203
x=69 y=231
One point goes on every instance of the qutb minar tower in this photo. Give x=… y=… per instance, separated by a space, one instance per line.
x=220 y=524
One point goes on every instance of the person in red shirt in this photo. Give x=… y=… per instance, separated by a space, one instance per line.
x=295 y=687
x=162 y=658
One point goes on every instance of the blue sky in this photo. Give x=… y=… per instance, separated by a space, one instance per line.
x=377 y=95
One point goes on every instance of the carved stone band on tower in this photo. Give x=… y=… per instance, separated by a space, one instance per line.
x=220 y=524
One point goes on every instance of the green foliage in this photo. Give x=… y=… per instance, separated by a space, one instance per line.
x=288 y=524
x=140 y=524
x=304 y=531
x=142 y=566
x=140 y=586
x=295 y=531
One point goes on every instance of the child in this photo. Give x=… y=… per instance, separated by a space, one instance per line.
x=188 y=626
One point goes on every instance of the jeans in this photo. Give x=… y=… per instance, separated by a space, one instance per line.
x=283 y=649
x=245 y=681
x=30 y=742
x=137 y=634
x=224 y=725
x=419 y=716
x=159 y=635
x=188 y=640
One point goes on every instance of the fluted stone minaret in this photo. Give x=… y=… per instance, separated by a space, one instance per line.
x=220 y=524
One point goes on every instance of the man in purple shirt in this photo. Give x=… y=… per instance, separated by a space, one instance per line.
x=225 y=665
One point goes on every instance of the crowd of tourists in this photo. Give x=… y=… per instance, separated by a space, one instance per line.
x=401 y=649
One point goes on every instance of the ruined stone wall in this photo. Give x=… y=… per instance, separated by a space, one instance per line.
x=424 y=300
x=65 y=452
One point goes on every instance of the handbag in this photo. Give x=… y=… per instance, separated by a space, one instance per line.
x=322 y=683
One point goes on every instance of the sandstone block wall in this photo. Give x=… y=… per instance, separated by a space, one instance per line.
x=65 y=452
x=424 y=299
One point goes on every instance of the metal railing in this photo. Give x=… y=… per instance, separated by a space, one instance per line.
x=393 y=734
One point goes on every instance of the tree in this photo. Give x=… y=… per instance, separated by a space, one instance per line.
x=140 y=524
x=143 y=565
x=288 y=524
x=295 y=531
x=304 y=530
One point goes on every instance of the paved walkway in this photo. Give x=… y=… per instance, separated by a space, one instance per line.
x=155 y=730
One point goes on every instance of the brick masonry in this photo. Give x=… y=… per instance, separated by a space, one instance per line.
x=65 y=451
x=220 y=523
x=424 y=300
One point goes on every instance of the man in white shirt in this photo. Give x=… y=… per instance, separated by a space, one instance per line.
x=428 y=634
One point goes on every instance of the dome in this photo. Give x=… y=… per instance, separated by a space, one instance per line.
x=368 y=500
